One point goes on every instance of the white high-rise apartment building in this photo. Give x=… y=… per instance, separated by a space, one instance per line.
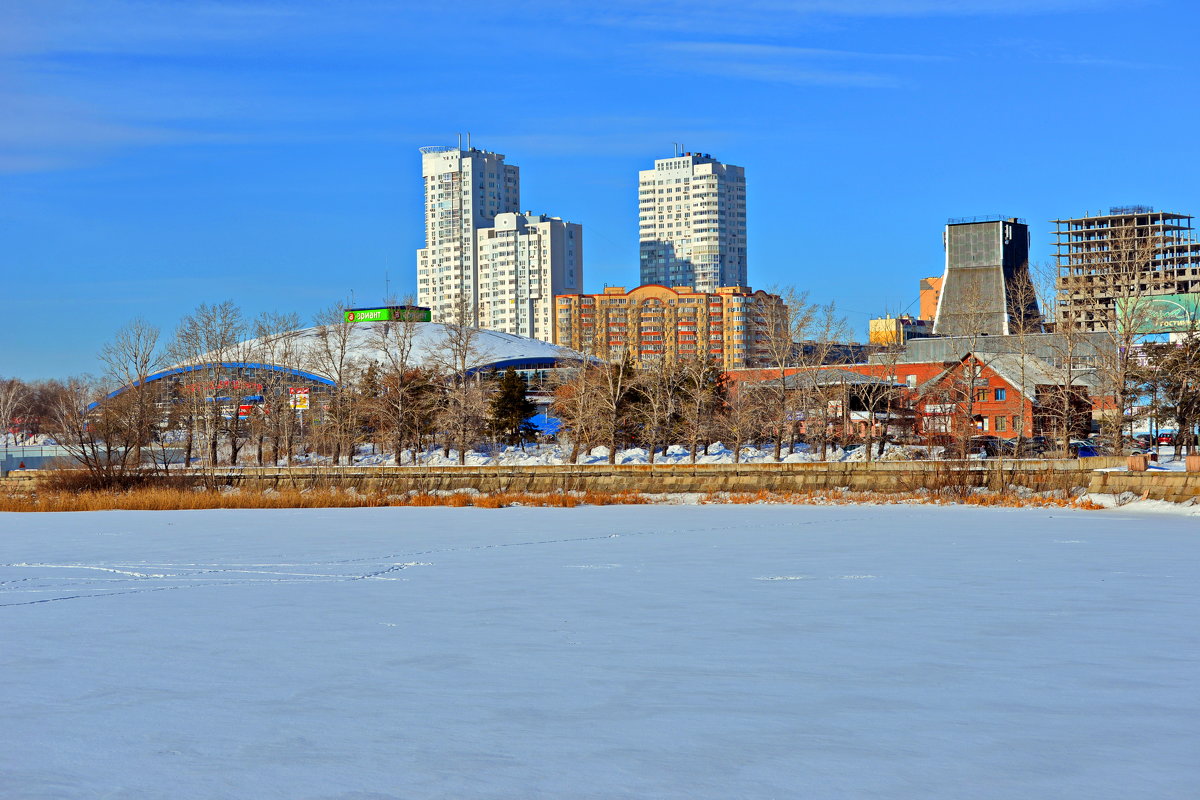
x=464 y=191
x=524 y=261
x=692 y=223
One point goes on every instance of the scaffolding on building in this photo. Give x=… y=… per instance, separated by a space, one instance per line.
x=1130 y=252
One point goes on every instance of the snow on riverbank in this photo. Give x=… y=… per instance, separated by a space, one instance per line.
x=553 y=454
x=656 y=652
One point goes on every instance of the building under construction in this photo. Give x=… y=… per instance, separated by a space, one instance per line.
x=1111 y=261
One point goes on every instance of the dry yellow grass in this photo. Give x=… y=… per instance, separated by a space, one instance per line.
x=167 y=499
x=842 y=497
x=163 y=499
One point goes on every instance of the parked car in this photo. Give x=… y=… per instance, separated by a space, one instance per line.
x=990 y=446
x=1166 y=437
x=1085 y=448
x=1033 y=446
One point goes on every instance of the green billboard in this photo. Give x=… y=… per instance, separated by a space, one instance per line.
x=389 y=314
x=1167 y=313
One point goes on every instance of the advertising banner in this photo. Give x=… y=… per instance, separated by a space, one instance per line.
x=1168 y=313
x=389 y=314
x=299 y=398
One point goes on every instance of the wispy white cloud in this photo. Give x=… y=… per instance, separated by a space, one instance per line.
x=80 y=78
x=782 y=64
x=790 y=74
x=32 y=27
x=776 y=51
x=764 y=16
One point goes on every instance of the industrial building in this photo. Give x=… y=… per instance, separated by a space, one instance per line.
x=1109 y=264
x=692 y=222
x=728 y=326
x=889 y=331
x=929 y=291
x=986 y=288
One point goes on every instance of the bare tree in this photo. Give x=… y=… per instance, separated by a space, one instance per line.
x=701 y=393
x=1058 y=414
x=1171 y=373
x=404 y=384
x=206 y=343
x=742 y=417
x=130 y=359
x=276 y=343
x=795 y=334
x=334 y=355
x=659 y=388
x=576 y=407
x=612 y=387
x=463 y=414
x=14 y=400
x=96 y=430
x=463 y=417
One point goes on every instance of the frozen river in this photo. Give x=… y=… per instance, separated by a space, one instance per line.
x=618 y=652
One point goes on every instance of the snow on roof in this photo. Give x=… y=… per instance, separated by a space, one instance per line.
x=365 y=343
x=826 y=377
x=1026 y=374
x=1023 y=372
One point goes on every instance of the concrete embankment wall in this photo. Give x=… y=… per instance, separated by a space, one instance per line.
x=884 y=477
x=878 y=477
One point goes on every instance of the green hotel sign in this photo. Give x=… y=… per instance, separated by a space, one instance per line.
x=389 y=314
x=1168 y=313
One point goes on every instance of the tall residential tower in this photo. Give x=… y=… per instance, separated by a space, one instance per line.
x=483 y=259
x=524 y=260
x=464 y=191
x=692 y=223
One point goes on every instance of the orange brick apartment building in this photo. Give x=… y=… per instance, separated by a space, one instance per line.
x=730 y=325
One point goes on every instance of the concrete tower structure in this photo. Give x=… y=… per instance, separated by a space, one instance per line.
x=692 y=223
x=464 y=191
x=986 y=289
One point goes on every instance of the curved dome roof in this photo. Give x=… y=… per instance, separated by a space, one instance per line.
x=490 y=349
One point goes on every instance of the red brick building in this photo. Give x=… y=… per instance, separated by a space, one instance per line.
x=999 y=394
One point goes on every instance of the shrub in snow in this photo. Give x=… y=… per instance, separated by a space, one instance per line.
x=1126 y=497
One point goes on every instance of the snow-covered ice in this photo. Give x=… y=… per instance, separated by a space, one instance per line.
x=617 y=652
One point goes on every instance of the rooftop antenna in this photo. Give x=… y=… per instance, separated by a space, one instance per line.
x=387 y=287
x=460 y=141
x=468 y=140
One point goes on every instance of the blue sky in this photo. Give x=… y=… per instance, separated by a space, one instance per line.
x=154 y=155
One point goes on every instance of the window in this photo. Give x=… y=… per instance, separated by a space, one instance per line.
x=999 y=394
x=1001 y=424
x=910 y=381
x=981 y=395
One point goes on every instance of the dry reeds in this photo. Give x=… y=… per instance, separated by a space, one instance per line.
x=174 y=499
x=839 y=497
